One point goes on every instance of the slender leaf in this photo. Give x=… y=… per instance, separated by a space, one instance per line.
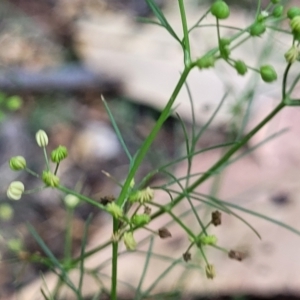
x=160 y=16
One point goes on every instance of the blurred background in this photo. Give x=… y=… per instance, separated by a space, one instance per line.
x=58 y=57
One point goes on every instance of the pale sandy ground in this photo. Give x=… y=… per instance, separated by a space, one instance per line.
x=150 y=73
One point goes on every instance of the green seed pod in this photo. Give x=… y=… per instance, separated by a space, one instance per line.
x=220 y=10
x=129 y=240
x=241 y=67
x=293 y=12
x=50 y=179
x=17 y=163
x=268 y=73
x=277 y=11
x=224 y=43
x=206 y=62
x=225 y=52
x=58 y=154
x=15 y=190
x=140 y=220
x=292 y=55
x=275 y=1
x=295 y=24
x=115 y=210
x=41 y=138
x=71 y=201
x=257 y=29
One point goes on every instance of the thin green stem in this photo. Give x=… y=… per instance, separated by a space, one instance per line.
x=222 y=161
x=186 y=43
x=46 y=158
x=147 y=143
x=114 y=277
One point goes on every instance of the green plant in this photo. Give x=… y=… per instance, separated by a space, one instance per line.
x=131 y=210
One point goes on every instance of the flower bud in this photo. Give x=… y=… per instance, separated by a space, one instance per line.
x=293 y=12
x=58 y=154
x=268 y=74
x=187 y=256
x=71 y=201
x=15 y=190
x=6 y=212
x=220 y=10
x=295 y=24
x=241 y=67
x=216 y=218
x=275 y=1
x=41 y=138
x=140 y=220
x=129 y=240
x=237 y=255
x=17 y=163
x=115 y=210
x=292 y=54
x=50 y=179
x=277 y=11
x=257 y=29
x=164 y=233
x=210 y=271
x=206 y=62
x=208 y=240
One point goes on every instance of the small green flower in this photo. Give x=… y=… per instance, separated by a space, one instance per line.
x=142 y=196
x=140 y=220
x=115 y=210
x=208 y=240
x=241 y=67
x=257 y=29
x=58 y=154
x=15 y=190
x=17 y=163
x=129 y=240
x=268 y=74
x=71 y=201
x=220 y=10
x=41 y=138
x=293 y=12
x=6 y=212
x=206 y=62
x=295 y=24
x=50 y=179
x=210 y=271
x=292 y=54
x=277 y=11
